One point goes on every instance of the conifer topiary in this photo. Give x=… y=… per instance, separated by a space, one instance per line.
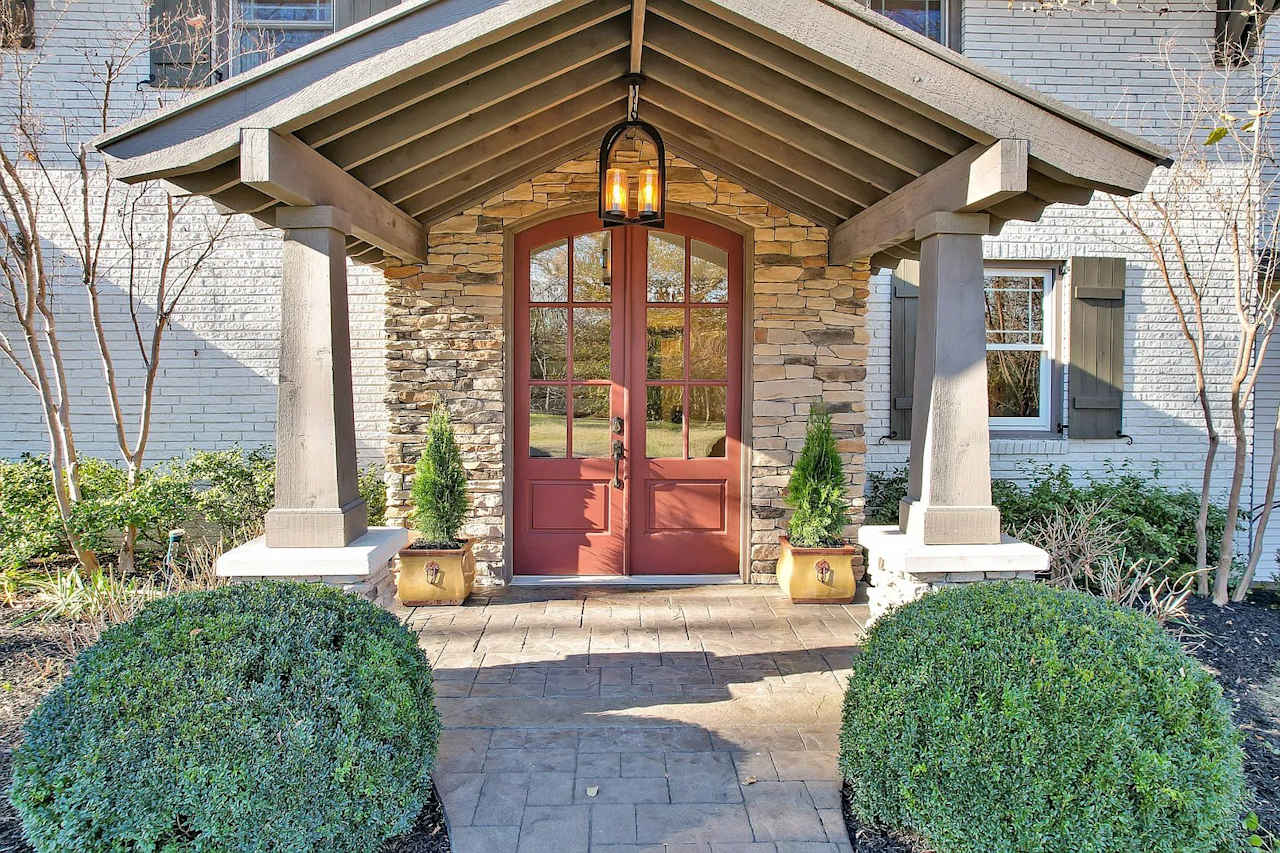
x=817 y=488
x=440 y=484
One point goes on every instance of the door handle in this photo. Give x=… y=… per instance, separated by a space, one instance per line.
x=617 y=462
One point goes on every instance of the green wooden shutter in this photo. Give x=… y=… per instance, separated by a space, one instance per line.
x=18 y=26
x=1096 y=380
x=348 y=12
x=905 y=301
x=181 y=43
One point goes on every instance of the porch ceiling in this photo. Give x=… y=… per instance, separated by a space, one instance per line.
x=821 y=107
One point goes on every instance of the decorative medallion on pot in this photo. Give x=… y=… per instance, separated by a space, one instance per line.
x=816 y=564
x=437 y=567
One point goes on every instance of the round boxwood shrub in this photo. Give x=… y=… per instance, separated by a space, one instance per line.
x=271 y=716
x=1012 y=717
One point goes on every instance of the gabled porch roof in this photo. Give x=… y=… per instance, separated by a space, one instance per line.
x=819 y=106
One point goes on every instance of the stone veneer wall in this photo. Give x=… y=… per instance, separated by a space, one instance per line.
x=446 y=344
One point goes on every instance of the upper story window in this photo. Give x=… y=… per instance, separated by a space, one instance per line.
x=264 y=29
x=1020 y=338
x=927 y=17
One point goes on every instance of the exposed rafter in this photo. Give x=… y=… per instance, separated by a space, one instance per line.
x=971 y=182
x=290 y=172
x=637 y=36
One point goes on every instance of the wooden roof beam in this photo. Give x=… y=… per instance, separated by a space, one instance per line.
x=637 y=35
x=971 y=182
x=293 y=173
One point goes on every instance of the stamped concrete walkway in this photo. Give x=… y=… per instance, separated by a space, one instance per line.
x=625 y=720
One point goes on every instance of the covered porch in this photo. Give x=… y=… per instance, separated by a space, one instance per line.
x=407 y=142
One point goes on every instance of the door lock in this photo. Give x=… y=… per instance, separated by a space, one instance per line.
x=617 y=463
x=616 y=425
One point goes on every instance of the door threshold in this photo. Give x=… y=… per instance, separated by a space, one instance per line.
x=624 y=580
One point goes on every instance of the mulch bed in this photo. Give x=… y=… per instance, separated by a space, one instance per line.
x=429 y=833
x=1240 y=645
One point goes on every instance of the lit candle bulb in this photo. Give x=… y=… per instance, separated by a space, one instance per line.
x=616 y=192
x=649 y=191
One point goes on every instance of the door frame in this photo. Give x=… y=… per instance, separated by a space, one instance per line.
x=509 y=232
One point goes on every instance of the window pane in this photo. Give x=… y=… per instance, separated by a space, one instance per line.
x=923 y=16
x=706 y=421
x=591 y=275
x=666 y=267
x=548 y=423
x=548 y=342
x=1013 y=383
x=286 y=10
x=665 y=344
x=664 y=422
x=591 y=421
x=549 y=273
x=1015 y=309
x=590 y=343
x=708 y=273
x=709 y=343
x=257 y=45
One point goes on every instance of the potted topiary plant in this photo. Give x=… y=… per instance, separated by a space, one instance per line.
x=816 y=563
x=437 y=567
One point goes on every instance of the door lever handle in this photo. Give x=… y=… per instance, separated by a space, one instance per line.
x=617 y=462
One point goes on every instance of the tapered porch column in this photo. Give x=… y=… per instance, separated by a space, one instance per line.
x=318 y=503
x=949 y=485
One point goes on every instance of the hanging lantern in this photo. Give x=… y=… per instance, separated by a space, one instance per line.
x=633 y=192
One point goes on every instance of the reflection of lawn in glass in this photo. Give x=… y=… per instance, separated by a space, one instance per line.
x=591 y=436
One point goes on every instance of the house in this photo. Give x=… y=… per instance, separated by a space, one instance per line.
x=846 y=194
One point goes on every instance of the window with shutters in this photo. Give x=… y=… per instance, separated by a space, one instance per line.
x=1020 y=335
x=265 y=29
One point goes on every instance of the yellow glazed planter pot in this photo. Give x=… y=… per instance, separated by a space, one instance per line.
x=434 y=576
x=818 y=575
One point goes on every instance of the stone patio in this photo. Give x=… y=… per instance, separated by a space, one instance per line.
x=623 y=719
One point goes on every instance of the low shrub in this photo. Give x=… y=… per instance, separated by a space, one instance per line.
x=259 y=717
x=224 y=494
x=1155 y=522
x=1036 y=719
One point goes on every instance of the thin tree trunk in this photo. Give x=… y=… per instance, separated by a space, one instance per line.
x=1222 y=579
x=1260 y=531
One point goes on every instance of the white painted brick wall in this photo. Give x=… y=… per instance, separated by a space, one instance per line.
x=217 y=387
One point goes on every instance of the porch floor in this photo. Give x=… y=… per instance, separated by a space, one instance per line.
x=607 y=719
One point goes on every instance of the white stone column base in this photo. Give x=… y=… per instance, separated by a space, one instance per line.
x=362 y=567
x=901 y=568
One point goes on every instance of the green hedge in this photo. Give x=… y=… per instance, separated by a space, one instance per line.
x=1035 y=719
x=272 y=716
x=1159 y=522
x=220 y=493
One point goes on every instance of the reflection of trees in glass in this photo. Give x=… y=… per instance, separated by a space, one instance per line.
x=548 y=342
x=549 y=273
x=1015 y=335
x=666 y=267
x=1013 y=383
x=709 y=343
x=591 y=343
x=665 y=343
x=591 y=267
x=708 y=273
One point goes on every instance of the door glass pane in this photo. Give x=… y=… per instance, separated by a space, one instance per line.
x=591 y=421
x=708 y=343
x=548 y=342
x=665 y=344
x=549 y=273
x=548 y=423
x=664 y=416
x=1013 y=383
x=706 y=421
x=591 y=276
x=591 y=343
x=708 y=273
x=666 y=267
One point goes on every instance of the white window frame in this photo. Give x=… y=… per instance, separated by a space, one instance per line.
x=1043 y=423
x=240 y=24
x=944 y=9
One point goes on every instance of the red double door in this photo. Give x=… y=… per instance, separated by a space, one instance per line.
x=628 y=362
